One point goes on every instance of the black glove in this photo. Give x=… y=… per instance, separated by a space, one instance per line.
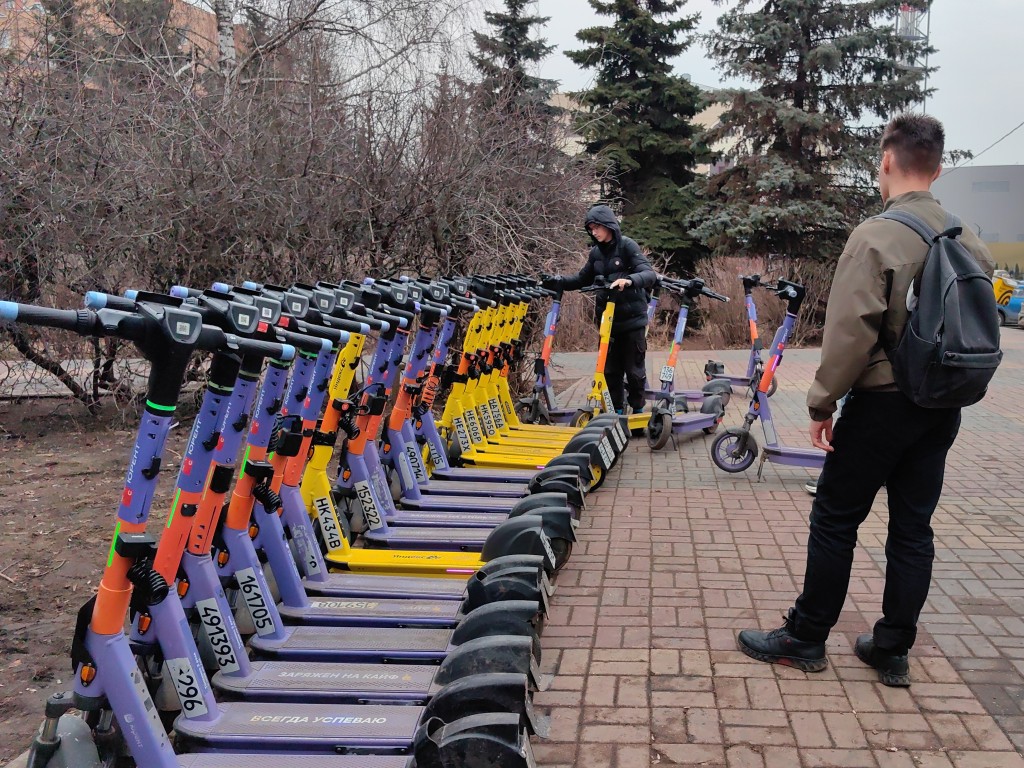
x=551 y=283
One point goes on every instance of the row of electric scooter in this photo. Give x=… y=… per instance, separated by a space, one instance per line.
x=418 y=647
x=251 y=632
x=676 y=411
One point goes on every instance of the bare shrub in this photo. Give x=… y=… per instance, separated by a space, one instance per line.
x=327 y=140
x=725 y=324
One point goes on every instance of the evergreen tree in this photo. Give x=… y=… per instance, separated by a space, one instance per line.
x=638 y=119
x=506 y=56
x=804 y=142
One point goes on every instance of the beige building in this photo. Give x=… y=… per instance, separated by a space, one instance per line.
x=23 y=29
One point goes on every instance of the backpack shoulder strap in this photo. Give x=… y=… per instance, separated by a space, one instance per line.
x=908 y=219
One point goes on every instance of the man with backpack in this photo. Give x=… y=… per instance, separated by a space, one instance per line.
x=625 y=269
x=898 y=336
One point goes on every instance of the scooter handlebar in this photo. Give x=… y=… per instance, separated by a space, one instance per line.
x=213 y=338
x=127 y=325
x=713 y=295
x=81 y=321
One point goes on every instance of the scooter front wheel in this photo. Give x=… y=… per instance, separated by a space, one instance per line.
x=581 y=418
x=659 y=430
x=734 y=450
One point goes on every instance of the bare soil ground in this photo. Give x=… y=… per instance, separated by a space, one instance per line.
x=61 y=472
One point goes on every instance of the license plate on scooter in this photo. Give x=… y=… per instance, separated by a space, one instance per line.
x=668 y=373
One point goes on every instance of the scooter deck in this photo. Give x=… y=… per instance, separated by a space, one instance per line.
x=475 y=489
x=481 y=474
x=692 y=422
x=457 y=566
x=348 y=612
x=240 y=760
x=302 y=727
x=337 y=683
x=426 y=538
x=365 y=644
x=429 y=516
x=385 y=587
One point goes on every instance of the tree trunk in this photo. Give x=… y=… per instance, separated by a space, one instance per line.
x=227 y=56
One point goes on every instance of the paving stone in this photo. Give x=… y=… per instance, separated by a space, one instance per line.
x=675 y=557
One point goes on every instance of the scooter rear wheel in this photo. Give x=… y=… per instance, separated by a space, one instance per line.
x=659 y=430
x=599 y=477
x=581 y=418
x=715 y=405
x=724 y=451
x=527 y=413
x=563 y=551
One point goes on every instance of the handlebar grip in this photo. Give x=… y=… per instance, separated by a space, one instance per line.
x=304 y=341
x=81 y=321
x=184 y=292
x=394 y=316
x=352 y=326
x=334 y=335
x=100 y=300
x=213 y=338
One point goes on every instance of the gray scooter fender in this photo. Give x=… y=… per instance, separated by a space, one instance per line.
x=513 y=562
x=556 y=473
x=573 y=493
x=538 y=501
x=492 y=740
x=719 y=387
x=579 y=460
x=491 y=654
x=519 y=536
x=509 y=584
x=509 y=617
x=558 y=522
x=483 y=694
x=615 y=423
x=588 y=443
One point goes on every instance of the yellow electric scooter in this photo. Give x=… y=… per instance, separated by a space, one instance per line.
x=479 y=413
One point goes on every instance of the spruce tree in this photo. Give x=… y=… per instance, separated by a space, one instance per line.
x=506 y=56
x=638 y=119
x=799 y=173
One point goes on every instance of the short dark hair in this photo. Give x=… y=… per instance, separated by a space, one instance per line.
x=917 y=141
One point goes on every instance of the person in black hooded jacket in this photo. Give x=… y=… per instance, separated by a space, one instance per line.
x=626 y=270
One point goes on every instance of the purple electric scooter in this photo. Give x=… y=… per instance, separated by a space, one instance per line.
x=715 y=371
x=670 y=414
x=735 y=449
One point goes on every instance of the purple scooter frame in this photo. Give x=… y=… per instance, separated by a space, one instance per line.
x=735 y=449
x=715 y=371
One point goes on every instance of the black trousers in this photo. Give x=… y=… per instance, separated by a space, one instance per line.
x=626 y=368
x=880 y=438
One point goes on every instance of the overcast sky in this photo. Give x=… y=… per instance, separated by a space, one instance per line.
x=979 y=84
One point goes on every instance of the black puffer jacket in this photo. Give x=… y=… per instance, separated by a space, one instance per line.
x=621 y=258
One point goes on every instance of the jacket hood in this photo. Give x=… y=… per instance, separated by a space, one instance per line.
x=602 y=214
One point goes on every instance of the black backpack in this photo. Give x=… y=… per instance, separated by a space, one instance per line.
x=949 y=350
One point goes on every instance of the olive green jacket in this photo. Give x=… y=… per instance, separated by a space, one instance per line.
x=867 y=307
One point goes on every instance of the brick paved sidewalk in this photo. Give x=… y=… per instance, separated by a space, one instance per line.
x=677 y=556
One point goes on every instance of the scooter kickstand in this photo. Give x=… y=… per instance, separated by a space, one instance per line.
x=760 y=467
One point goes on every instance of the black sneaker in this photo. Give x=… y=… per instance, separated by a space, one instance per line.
x=780 y=646
x=893 y=669
x=811 y=486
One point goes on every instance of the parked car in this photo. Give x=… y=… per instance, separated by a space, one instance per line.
x=1009 y=294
